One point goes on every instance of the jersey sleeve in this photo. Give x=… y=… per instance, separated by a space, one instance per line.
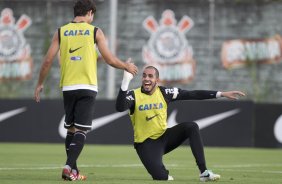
x=196 y=94
x=169 y=94
x=174 y=94
x=125 y=100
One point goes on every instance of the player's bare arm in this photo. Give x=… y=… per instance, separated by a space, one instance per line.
x=110 y=58
x=46 y=65
x=234 y=95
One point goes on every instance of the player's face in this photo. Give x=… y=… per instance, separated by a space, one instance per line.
x=149 y=80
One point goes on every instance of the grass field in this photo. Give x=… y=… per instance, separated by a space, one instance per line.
x=42 y=163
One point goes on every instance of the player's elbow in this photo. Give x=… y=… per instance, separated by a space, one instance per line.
x=46 y=65
x=110 y=61
x=114 y=62
x=48 y=61
x=120 y=107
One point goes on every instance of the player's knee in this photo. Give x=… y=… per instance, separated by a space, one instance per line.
x=71 y=129
x=194 y=126
x=160 y=174
x=79 y=137
x=190 y=127
x=81 y=130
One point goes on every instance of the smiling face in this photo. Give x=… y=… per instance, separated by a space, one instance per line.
x=150 y=79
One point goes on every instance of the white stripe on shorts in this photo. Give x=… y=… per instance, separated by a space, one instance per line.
x=84 y=126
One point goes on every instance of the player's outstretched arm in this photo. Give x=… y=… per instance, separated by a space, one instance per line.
x=234 y=95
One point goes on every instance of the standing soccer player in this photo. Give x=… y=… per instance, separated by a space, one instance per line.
x=78 y=58
x=148 y=112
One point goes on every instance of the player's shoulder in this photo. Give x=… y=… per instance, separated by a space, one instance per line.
x=130 y=95
x=169 y=90
x=66 y=24
x=98 y=28
x=131 y=91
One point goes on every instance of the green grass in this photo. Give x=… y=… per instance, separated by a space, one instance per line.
x=42 y=163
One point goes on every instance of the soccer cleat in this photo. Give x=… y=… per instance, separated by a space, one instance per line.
x=78 y=176
x=81 y=177
x=170 y=178
x=68 y=175
x=209 y=176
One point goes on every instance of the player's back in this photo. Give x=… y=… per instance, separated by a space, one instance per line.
x=78 y=55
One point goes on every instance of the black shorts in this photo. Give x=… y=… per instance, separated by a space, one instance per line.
x=79 y=108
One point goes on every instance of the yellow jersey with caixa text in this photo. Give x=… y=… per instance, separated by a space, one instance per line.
x=150 y=115
x=78 y=56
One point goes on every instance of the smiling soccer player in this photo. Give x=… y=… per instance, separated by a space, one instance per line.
x=148 y=112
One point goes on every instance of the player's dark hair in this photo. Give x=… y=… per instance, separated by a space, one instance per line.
x=156 y=70
x=81 y=7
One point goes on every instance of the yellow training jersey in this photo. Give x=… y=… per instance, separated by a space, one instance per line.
x=150 y=115
x=78 y=56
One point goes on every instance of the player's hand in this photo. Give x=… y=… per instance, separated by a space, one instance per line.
x=130 y=67
x=234 y=95
x=37 y=92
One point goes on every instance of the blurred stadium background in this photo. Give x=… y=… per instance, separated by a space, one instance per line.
x=215 y=23
x=216 y=44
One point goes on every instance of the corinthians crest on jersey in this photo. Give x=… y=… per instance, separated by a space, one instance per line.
x=15 y=59
x=168 y=49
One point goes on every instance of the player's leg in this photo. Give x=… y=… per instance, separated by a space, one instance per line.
x=176 y=135
x=75 y=149
x=184 y=131
x=83 y=115
x=150 y=153
x=70 y=171
x=69 y=104
x=68 y=140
